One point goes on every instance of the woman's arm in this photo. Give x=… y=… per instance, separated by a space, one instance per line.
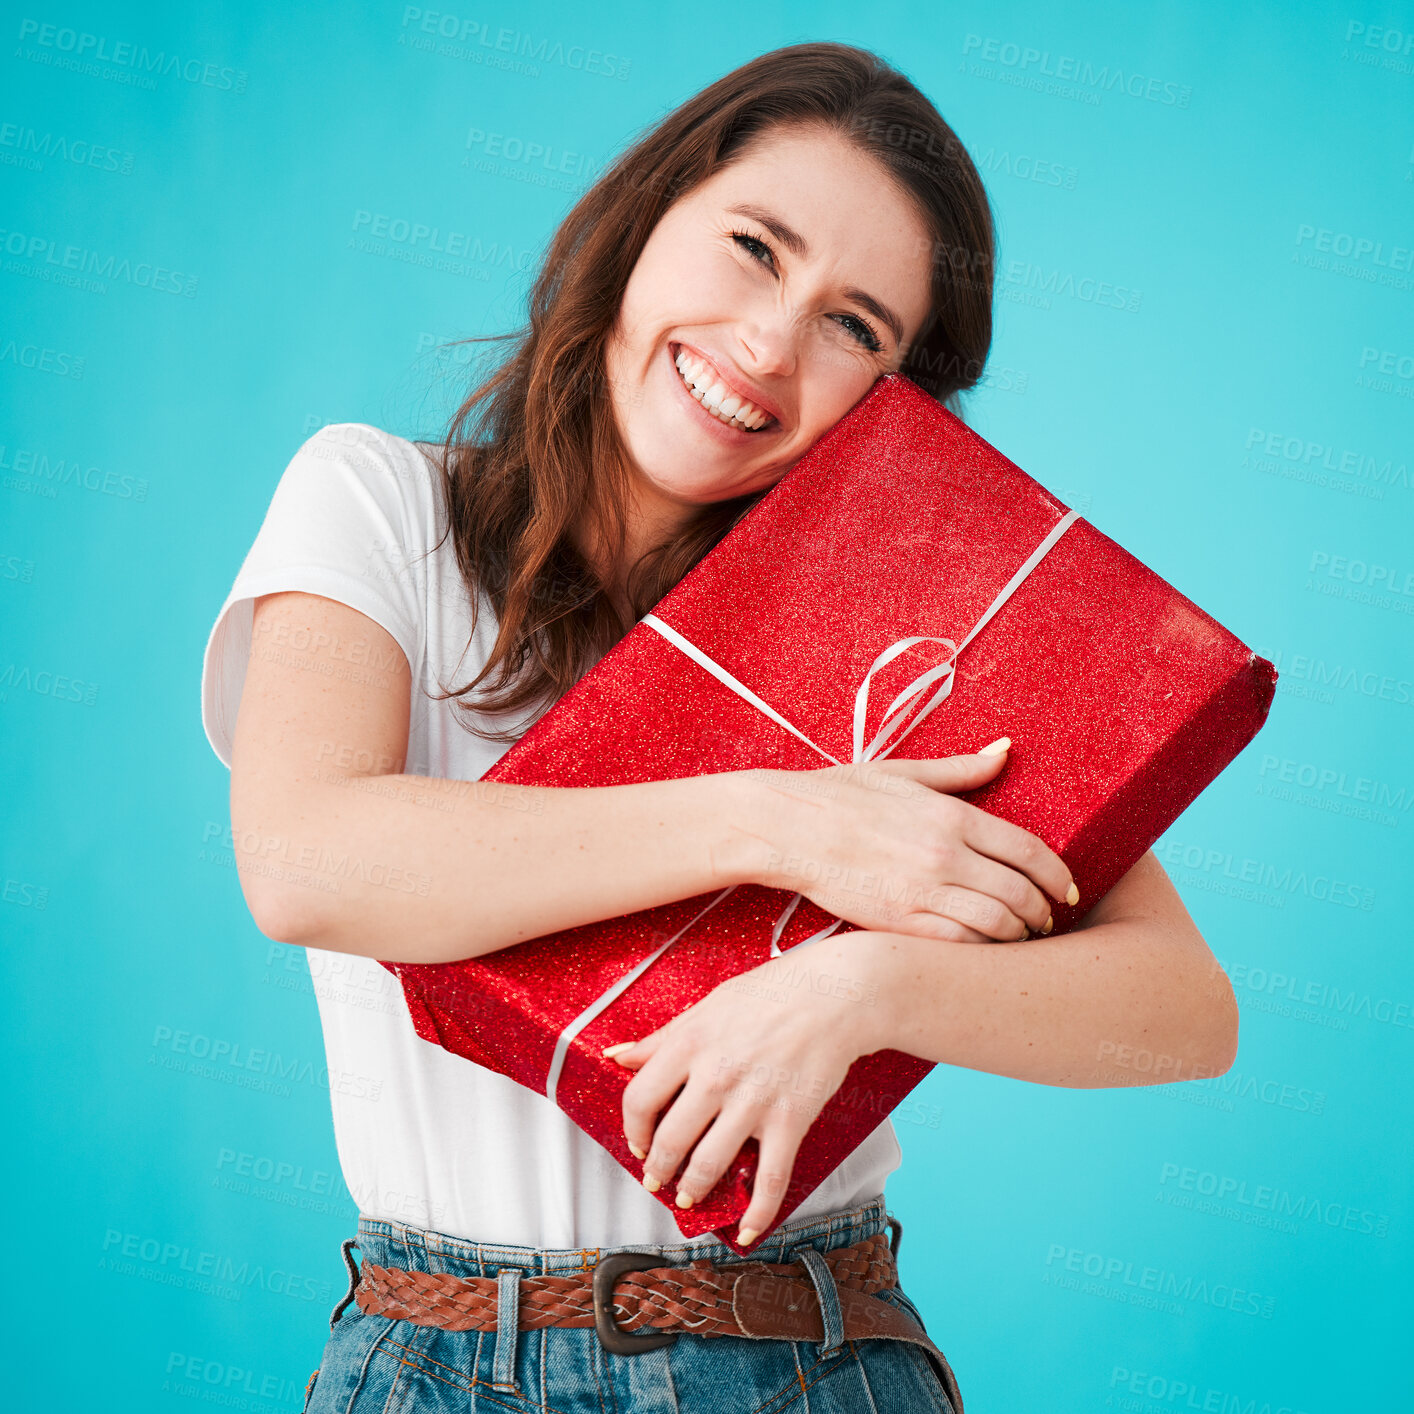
x=337 y=847
x=1131 y=997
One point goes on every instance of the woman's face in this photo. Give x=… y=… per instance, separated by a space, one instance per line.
x=793 y=279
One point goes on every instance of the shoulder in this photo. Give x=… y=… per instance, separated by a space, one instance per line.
x=392 y=469
x=367 y=447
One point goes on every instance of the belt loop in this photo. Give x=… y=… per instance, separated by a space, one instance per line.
x=829 y=1296
x=895 y=1228
x=503 y=1370
x=353 y=1281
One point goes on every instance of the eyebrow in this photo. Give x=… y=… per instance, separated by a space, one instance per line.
x=798 y=246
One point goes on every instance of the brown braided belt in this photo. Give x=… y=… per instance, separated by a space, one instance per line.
x=630 y=1291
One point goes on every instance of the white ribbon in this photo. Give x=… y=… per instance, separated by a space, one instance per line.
x=877 y=749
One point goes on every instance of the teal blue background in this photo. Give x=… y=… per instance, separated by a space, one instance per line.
x=122 y=915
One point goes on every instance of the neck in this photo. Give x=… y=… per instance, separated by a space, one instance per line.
x=651 y=519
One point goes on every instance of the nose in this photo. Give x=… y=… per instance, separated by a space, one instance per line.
x=769 y=345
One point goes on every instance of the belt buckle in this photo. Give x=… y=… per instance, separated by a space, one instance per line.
x=607 y=1270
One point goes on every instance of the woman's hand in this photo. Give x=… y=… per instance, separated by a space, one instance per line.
x=887 y=845
x=759 y=1056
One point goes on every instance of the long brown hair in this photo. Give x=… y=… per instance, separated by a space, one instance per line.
x=534 y=451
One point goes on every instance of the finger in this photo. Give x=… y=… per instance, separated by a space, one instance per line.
x=677 y=1131
x=982 y=912
x=932 y=925
x=634 y=1054
x=992 y=836
x=991 y=897
x=941 y=773
x=778 y=1145
x=715 y=1150
x=964 y=915
x=647 y=1095
x=1028 y=854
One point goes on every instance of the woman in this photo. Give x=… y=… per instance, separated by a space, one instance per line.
x=719 y=300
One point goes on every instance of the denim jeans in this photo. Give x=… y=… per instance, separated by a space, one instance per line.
x=376 y=1363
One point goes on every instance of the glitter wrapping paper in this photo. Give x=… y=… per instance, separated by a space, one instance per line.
x=1123 y=700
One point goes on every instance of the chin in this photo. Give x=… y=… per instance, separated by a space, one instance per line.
x=664 y=467
x=687 y=492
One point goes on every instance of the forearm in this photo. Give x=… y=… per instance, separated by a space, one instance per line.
x=417 y=869
x=1120 y=1003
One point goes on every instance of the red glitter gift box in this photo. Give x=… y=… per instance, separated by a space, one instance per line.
x=860 y=579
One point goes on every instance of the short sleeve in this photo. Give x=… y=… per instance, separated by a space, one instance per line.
x=344 y=522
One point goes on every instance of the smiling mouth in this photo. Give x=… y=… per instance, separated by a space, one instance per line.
x=701 y=381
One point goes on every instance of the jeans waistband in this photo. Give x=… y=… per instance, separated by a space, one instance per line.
x=393 y=1244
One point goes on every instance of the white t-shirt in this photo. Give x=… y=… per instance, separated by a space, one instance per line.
x=426 y=1137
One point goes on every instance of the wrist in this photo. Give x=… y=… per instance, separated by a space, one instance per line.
x=870 y=969
x=887 y=967
x=756 y=830
x=856 y=975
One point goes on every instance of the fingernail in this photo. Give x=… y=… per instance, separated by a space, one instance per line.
x=650 y=1183
x=637 y=1153
x=1072 y=894
x=747 y=1235
x=684 y=1200
x=1049 y=924
x=996 y=748
x=614 y=1050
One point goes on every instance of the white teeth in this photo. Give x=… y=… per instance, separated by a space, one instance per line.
x=702 y=382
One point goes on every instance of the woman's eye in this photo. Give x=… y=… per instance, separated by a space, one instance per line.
x=863 y=332
x=754 y=246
